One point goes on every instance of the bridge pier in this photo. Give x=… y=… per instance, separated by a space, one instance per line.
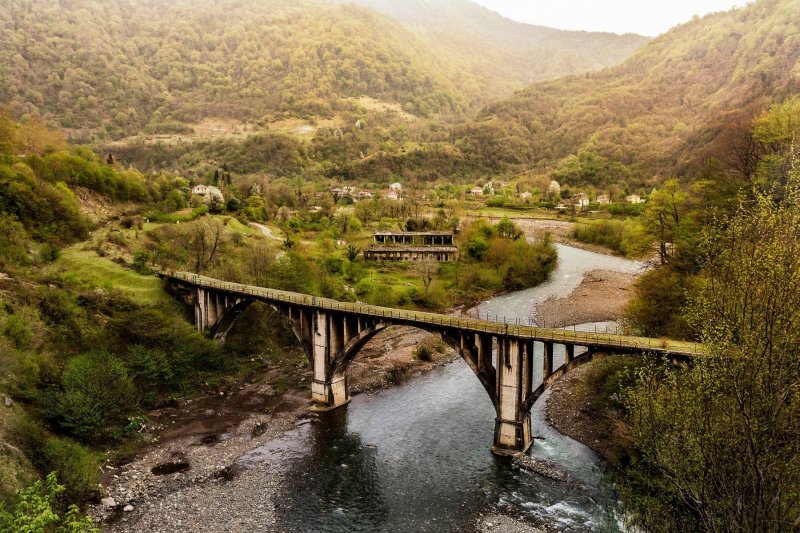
x=512 y=430
x=329 y=387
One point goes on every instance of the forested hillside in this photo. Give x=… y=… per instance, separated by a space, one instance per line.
x=111 y=68
x=503 y=55
x=655 y=114
x=119 y=67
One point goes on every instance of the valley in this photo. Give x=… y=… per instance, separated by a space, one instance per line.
x=427 y=159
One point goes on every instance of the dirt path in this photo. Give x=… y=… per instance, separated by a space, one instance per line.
x=266 y=231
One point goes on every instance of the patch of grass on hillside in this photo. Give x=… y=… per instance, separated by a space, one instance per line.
x=85 y=267
x=235 y=226
x=16 y=470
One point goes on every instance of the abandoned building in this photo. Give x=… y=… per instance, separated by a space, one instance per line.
x=412 y=246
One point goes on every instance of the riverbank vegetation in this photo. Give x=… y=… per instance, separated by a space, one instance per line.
x=713 y=445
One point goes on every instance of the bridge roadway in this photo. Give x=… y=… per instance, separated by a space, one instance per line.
x=500 y=353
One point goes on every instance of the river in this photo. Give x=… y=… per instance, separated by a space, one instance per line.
x=416 y=457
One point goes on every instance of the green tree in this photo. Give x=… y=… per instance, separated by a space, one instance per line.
x=8 y=133
x=719 y=443
x=663 y=216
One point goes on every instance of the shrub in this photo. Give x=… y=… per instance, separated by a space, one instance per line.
x=423 y=352
x=18 y=331
x=35 y=509
x=140 y=260
x=77 y=467
x=97 y=396
x=625 y=237
x=49 y=253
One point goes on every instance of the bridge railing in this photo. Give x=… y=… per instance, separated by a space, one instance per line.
x=504 y=327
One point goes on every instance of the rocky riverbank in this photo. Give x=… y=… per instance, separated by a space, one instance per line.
x=198 y=445
x=575 y=415
x=601 y=296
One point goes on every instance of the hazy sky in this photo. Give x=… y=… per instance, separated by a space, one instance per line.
x=647 y=17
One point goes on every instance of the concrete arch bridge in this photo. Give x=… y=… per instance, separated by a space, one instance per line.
x=500 y=354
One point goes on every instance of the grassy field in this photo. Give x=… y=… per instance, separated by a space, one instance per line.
x=85 y=267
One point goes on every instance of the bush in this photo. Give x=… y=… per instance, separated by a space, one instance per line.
x=36 y=509
x=140 y=260
x=150 y=370
x=625 y=237
x=98 y=395
x=18 y=331
x=77 y=467
x=423 y=352
x=530 y=264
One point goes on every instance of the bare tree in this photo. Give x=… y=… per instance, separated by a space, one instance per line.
x=205 y=240
x=426 y=269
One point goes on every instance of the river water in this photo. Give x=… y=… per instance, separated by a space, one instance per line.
x=416 y=457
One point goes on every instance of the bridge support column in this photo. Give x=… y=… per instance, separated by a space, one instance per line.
x=512 y=430
x=548 y=359
x=328 y=387
x=570 y=352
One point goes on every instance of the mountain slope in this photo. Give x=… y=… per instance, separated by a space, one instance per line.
x=121 y=65
x=113 y=68
x=658 y=111
x=504 y=55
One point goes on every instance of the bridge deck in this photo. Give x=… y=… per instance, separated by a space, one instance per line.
x=579 y=338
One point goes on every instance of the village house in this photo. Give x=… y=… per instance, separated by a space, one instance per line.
x=208 y=192
x=581 y=200
x=391 y=195
x=396 y=187
x=476 y=191
x=634 y=199
x=603 y=199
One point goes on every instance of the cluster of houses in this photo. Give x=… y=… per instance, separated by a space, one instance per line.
x=581 y=201
x=394 y=192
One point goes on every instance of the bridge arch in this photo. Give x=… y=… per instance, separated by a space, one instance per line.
x=484 y=372
x=231 y=315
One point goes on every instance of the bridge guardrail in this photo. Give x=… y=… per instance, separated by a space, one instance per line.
x=602 y=340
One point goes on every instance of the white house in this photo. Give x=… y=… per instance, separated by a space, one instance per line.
x=603 y=199
x=634 y=199
x=391 y=195
x=476 y=191
x=581 y=200
x=208 y=192
x=396 y=187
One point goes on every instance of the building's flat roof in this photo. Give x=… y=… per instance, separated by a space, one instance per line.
x=412 y=249
x=415 y=233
